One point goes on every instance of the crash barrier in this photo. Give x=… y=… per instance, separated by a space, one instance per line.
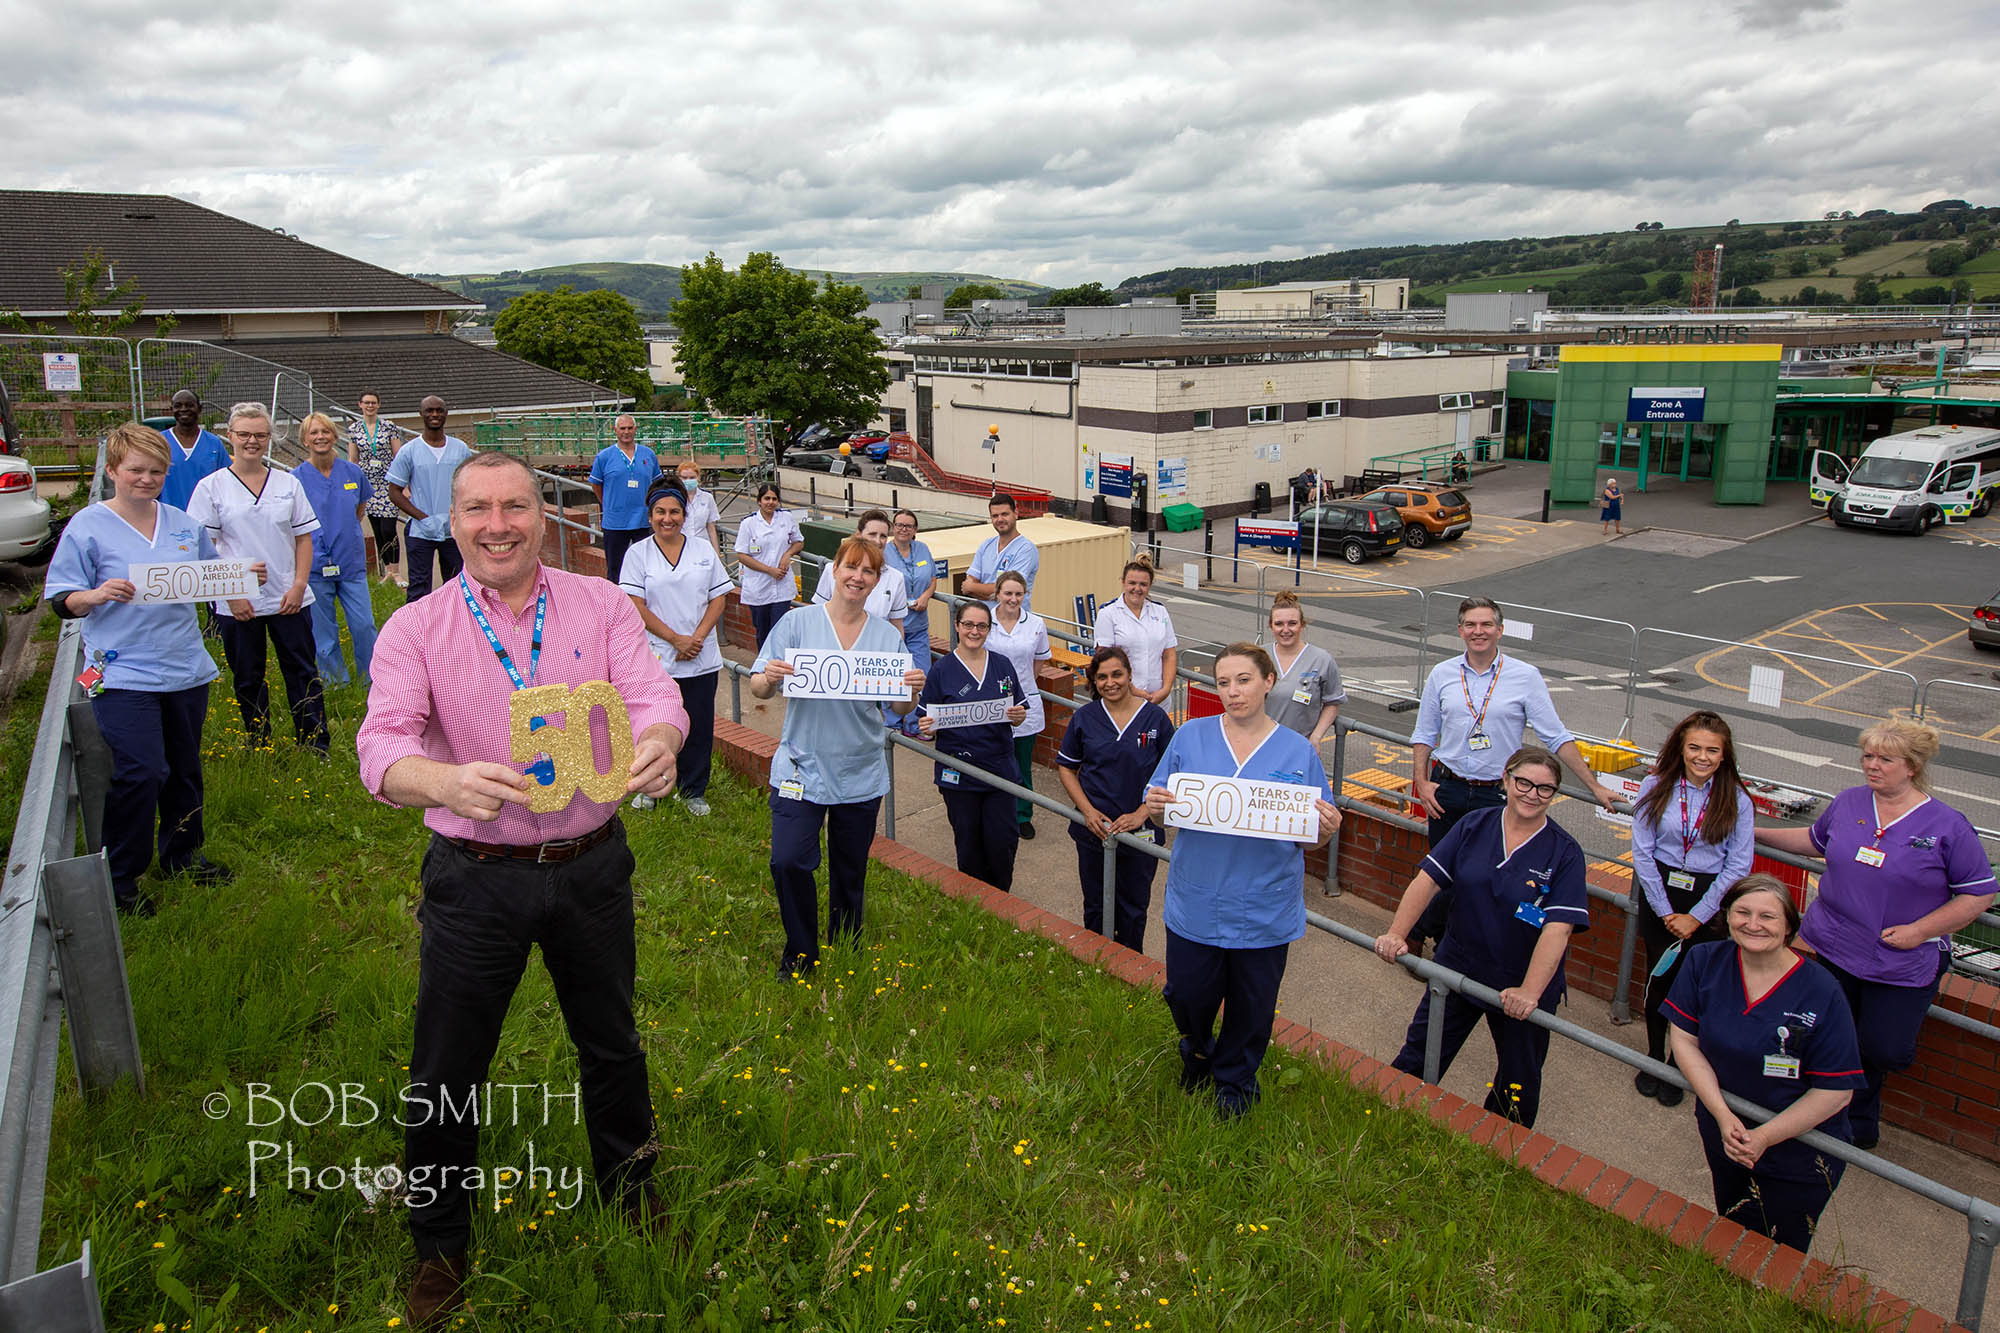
x=1982 y=1217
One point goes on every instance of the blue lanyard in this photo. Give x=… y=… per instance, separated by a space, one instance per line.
x=535 y=648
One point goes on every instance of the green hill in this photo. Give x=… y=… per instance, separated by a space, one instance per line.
x=654 y=287
x=1943 y=252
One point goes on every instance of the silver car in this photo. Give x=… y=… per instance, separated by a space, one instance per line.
x=24 y=514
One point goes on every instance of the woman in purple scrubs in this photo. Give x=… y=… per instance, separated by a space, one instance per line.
x=1903 y=870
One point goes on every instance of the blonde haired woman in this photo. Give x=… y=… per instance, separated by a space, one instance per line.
x=1309 y=693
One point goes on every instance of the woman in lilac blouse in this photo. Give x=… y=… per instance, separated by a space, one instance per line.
x=1903 y=870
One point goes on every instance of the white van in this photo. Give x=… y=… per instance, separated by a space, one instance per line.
x=1912 y=481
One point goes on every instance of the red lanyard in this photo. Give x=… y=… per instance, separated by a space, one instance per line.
x=1465 y=684
x=1690 y=832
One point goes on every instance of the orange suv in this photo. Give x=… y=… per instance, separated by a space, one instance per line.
x=1430 y=510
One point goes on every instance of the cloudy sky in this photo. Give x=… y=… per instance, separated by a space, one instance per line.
x=1057 y=142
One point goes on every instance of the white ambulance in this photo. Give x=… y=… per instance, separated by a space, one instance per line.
x=1911 y=481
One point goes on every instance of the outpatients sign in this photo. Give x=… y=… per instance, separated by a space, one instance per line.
x=1666 y=404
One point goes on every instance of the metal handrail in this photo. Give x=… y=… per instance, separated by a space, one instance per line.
x=1982 y=1217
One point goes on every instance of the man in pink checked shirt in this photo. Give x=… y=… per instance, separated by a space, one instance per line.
x=497 y=878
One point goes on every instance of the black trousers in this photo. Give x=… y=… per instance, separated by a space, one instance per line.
x=480 y=916
x=1522 y=1049
x=1653 y=933
x=419 y=571
x=1459 y=799
x=693 y=764
x=387 y=548
x=795 y=826
x=1887 y=1021
x=1132 y=895
x=983 y=828
x=1243 y=984
x=1785 y=1210
x=766 y=617
x=617 y=541
x=155 y=740
x=298 y=662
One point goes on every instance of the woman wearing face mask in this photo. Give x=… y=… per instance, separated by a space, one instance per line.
x=1144 y=630
x=1693 y=836
x=766 y=544
x=145 y=669
x=1517 y=896
x=255 y=512
x=702 y=515
x=679 y=587
x=1234 y=904
x=982 y=818
x=1111 y=747
x=1753 y=1018
x=1309 y=692
x=1019 y=635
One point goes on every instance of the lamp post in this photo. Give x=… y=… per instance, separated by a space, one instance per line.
x=991 y=444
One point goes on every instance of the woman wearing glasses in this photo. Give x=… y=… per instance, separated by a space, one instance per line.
x=1517 y=896
x=982 y=818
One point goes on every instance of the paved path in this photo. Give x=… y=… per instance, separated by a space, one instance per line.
x=1899 y=1241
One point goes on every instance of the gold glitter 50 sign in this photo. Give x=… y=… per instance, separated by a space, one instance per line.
x=563 y=762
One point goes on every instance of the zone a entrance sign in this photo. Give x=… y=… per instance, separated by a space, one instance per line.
x=1667 y=404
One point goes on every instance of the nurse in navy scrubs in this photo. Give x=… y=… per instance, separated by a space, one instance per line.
x=148 y=660
x=1517 y=896
x=1108 y=752
x=982 y=817
x=1234 y=903
x=1753 y=1018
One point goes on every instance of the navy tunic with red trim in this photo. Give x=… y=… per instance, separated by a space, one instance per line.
x=1487 y=939
x=1804 y=1016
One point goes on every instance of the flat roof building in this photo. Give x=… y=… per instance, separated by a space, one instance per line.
x=1320 y=298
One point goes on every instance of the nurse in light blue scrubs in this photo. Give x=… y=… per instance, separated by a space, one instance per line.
x=1234 y=903
x=830 y=768
x=145 y=667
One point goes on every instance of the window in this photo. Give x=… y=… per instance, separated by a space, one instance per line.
x=1454 y=402
x=1204 y=418
x=1329 y=407
x=1265 y=413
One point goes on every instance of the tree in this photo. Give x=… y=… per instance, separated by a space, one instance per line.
x=1671 y=285
x=766 y=341
x=592 y=335
x=965 y=294
x=1945 y=261
x=95 y=311
x=1867 y=291
x=1090 y=293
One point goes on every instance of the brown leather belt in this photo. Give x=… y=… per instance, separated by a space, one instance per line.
x=1438 y=768
x=563 y=849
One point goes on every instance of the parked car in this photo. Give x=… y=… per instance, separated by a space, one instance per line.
x=24 y=514
x=1355 y=529
x=875 y=443
x=830 y=461
x=1429 y=510
x=1984 y=629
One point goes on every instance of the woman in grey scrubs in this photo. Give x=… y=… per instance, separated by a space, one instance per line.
x=1308 y=694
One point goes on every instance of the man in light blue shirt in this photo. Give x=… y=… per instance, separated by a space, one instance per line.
x=1006 y=549
x=194 y=450
x=622 y=474
x=1469 y=723
x=420 y=486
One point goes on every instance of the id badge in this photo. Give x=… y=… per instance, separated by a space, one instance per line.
x=1679 y=879
x=792 y=789
x=329 y=571
x=632 y=484
x=92 y=680
x=1479 y=740
x=949 y=777
x=1302 y=696
x=1869 y=856
x=1532 y=914
x=1781 y=1066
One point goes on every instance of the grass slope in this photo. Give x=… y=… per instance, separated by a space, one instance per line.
x=957 y=1126
x=654 y=287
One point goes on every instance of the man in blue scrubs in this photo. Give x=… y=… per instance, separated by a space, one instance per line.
x=420 y=486
x=194 y=450
x=621 y=475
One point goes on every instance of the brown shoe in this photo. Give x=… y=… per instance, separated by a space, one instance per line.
x=438 y=1291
